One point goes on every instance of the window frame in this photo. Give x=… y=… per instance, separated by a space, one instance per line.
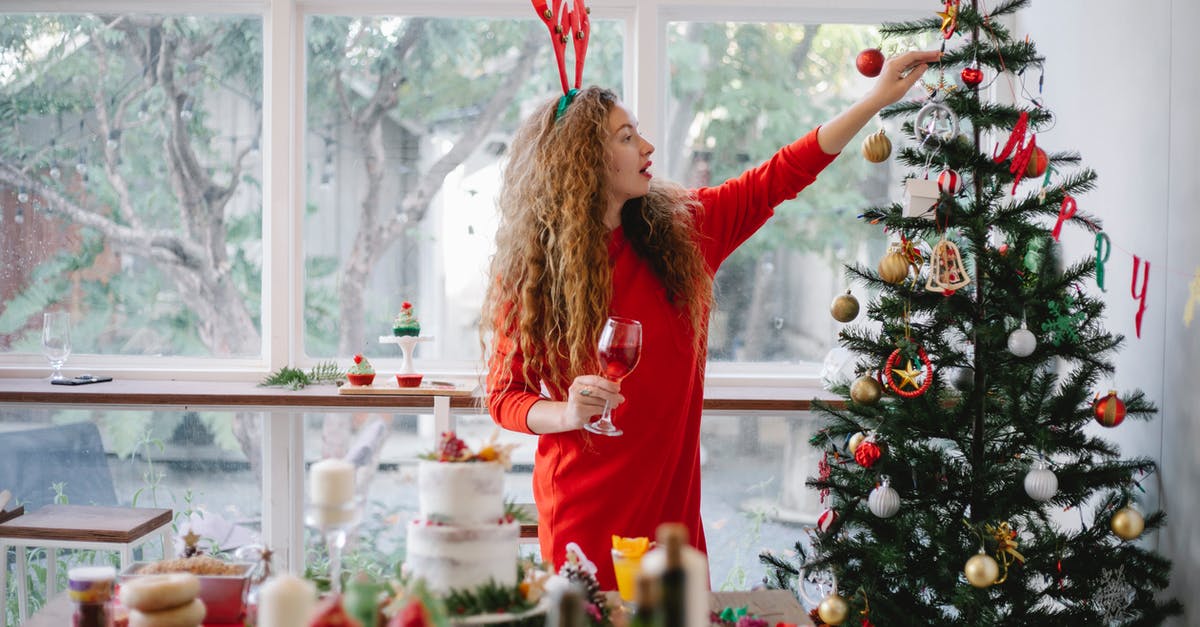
x=645 y=23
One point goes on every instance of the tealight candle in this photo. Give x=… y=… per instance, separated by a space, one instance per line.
x=285 y=601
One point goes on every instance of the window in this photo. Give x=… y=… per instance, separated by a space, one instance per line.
x=130 y=182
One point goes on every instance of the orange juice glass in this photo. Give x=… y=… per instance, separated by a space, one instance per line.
x=625 y=567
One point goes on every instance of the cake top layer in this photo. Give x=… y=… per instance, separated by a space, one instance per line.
x=452 y=449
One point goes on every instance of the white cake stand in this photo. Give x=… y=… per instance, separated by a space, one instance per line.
x=407 y=343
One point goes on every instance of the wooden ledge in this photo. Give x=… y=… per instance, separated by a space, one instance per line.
x=84 y=523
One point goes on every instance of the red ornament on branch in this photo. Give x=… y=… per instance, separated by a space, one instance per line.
x=867 y=453
x=870 y=62
x=971 y=76
x=1109 y=410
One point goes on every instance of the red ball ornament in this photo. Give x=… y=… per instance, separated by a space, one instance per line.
x=949 y=182
x=1038 y=162
x=870 y=62
x=1109 y=410
x=867 y=453
x=971 y=76
x=826 y=519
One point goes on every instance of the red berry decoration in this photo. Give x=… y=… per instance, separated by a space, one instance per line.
x=358 y=359
x=870 y=62
x=971 y=76
x=451 y=448
x=1109 y=410
x=867 y=453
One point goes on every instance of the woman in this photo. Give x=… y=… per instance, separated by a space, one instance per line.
x=587 y=232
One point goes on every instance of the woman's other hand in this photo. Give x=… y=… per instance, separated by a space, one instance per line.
x=586 y=398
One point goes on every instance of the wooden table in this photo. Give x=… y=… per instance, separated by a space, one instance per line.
x=80 y=527
x=773 y=606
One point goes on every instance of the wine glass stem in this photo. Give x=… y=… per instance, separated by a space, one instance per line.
x=335 y=540
x=606 y=416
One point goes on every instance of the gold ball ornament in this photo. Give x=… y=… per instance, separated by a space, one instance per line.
x=876 y=148
x=844 y=307
x=1127 y=523
x=893 y=268
x=855 y=440
x=981 y=570
x=866 y=390
x=833 y=609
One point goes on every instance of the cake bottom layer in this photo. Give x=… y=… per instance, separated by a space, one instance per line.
x=462 y=558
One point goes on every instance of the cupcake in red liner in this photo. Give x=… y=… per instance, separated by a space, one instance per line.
x=361 y=373
x=409 y=380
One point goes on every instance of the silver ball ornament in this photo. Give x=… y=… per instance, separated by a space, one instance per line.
x=936 y=121
x=1022 y=342
x=1041 y=484
x=883 y=501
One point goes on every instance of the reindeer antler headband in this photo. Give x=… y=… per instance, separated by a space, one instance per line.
x=566 y=23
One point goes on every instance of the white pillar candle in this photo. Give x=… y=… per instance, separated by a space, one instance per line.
x=331 y=483
x=286 y=601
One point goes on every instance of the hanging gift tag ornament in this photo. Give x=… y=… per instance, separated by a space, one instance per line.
x=1109 y=410
x=935 y=121
x=981 y=570
x=826 y=520
x=946 y=270
x=1041 y=484
x=867 y=452
x=869 y=62
x=876 y=148
x=884 y=502
x=1127 y=523
x=920 y=198
x=844 y=307
x=866 y=390
x=1022 y=341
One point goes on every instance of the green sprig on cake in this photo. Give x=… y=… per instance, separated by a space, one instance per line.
x=406 y=322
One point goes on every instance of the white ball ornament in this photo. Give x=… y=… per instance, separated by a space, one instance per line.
x=883 y=501
x=1041 y=484
x=1022 y=341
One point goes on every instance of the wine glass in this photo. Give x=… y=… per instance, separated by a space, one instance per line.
x=620 y=348
x=56 y=340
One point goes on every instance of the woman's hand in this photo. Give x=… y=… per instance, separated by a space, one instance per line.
x=899 y=74
x=586 y=398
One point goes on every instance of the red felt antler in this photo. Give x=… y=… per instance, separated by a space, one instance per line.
x=583 y=32
x=564 y=24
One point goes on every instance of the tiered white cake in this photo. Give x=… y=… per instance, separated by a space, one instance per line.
x=462 y=539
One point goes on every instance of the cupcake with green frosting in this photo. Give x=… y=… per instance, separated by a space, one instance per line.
x=406 y=322
x=361 y=373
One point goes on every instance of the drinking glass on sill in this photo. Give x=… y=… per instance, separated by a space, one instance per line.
x=56 y=341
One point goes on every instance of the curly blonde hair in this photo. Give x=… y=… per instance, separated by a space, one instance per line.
x=550 y=285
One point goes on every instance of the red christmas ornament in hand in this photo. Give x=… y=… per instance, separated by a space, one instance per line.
x=972 y=76
x=870 y=62
x=867 y=453
x=1109 y=410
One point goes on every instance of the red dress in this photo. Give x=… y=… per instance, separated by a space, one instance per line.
x=589 y=487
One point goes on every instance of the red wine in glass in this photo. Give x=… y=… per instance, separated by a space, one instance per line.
x=620 y=348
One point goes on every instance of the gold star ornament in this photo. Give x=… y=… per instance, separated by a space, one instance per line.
x=949 y=18
x=908 y=376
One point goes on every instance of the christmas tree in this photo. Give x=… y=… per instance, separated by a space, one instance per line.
x=962 y=482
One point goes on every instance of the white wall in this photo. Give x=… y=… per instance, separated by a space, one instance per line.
x=1121 y=78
